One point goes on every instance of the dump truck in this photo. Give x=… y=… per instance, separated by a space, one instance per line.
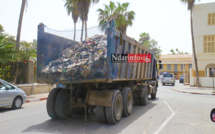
x=93 y=76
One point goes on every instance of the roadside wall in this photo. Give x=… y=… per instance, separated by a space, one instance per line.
x=30 y=89
x=204 y=81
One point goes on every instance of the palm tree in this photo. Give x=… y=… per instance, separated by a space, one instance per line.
x=71 y=6
x=122 y=17
x=107 y=14
x=20 y=24
x=83 y=10
x=190 y=7
x=125 y=17
x=19 y=33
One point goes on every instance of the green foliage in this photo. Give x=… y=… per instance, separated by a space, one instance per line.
x=150 y=43
x=1 y=28
x=26 y=51
x=10 y=56
x=144 y=38
x=177 y=51
x=119 y=13
x=7 y=49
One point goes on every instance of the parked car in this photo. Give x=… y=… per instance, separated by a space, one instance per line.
x=181 y=80
x=168 y=79
x=11 y=95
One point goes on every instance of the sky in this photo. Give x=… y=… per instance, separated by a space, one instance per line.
x=167 y=21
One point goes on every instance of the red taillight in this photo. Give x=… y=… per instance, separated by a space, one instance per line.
x=162 y=78
x=172 y=78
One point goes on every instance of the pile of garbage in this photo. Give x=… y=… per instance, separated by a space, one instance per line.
x=86 y=60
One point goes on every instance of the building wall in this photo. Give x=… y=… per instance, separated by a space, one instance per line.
x=177 y=72
x=30 y=89
x=176 y=59
x=201 y=29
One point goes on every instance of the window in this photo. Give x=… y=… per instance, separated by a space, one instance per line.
x=167 y=75
x=161 y=67
x=209 y=44
x=190 y=66
x=211 y=73
x=2 y=87
x=211 y=19
x=168 y=66
x=175 y=67
x=182 y=66
x=8 y=85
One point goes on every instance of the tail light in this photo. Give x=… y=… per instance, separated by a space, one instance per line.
x=172 y=78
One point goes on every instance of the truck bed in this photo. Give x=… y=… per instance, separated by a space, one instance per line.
x=50 y=46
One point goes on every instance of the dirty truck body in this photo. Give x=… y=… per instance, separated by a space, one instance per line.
x=112 y=94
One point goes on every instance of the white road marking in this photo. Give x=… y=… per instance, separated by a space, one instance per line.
x=166 y=121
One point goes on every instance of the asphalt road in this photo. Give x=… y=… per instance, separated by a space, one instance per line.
x=171 y=113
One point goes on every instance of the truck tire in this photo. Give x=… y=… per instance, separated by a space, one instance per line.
x=127 y=98
x=137 y=100
x=101 y=114
x=50 y=104
x=144 y=98
x=61 y=108
x=114 y=113
x=153 y=95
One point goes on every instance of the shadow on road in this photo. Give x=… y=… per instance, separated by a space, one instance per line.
x=7 y=109
x=77 y=124
x=2 y=110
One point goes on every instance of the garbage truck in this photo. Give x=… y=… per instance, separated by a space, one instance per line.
x=96 y=75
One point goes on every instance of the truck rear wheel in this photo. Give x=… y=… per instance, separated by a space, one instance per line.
x=153 y=95
x=50 y=104
x=114 y=113
x=62 y=109
x=127 y=98
x=101 y=114
x=144 y=97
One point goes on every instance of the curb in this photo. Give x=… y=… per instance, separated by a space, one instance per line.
x=36 y=99
x=191 y=92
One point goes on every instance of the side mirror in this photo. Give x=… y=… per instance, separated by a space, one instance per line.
x=212 y=115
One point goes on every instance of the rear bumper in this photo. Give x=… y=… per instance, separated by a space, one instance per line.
x=168 y=82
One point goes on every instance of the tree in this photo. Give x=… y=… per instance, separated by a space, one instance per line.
x=190 y=4
x=125 y=17
x=26 y=51
x=7 y=45
x=8 y=56
x=177 y=51
x=83 y=10
x=19 y=33
x=71 y=6
x=1 y=28
x=152 y=44
x=20 y=23
x=119 y=13
x=144 y=38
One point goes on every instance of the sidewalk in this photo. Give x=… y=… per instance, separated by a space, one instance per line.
x=194 y=90
x=36 y=97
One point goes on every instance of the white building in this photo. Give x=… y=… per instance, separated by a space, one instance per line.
x=204 y=36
